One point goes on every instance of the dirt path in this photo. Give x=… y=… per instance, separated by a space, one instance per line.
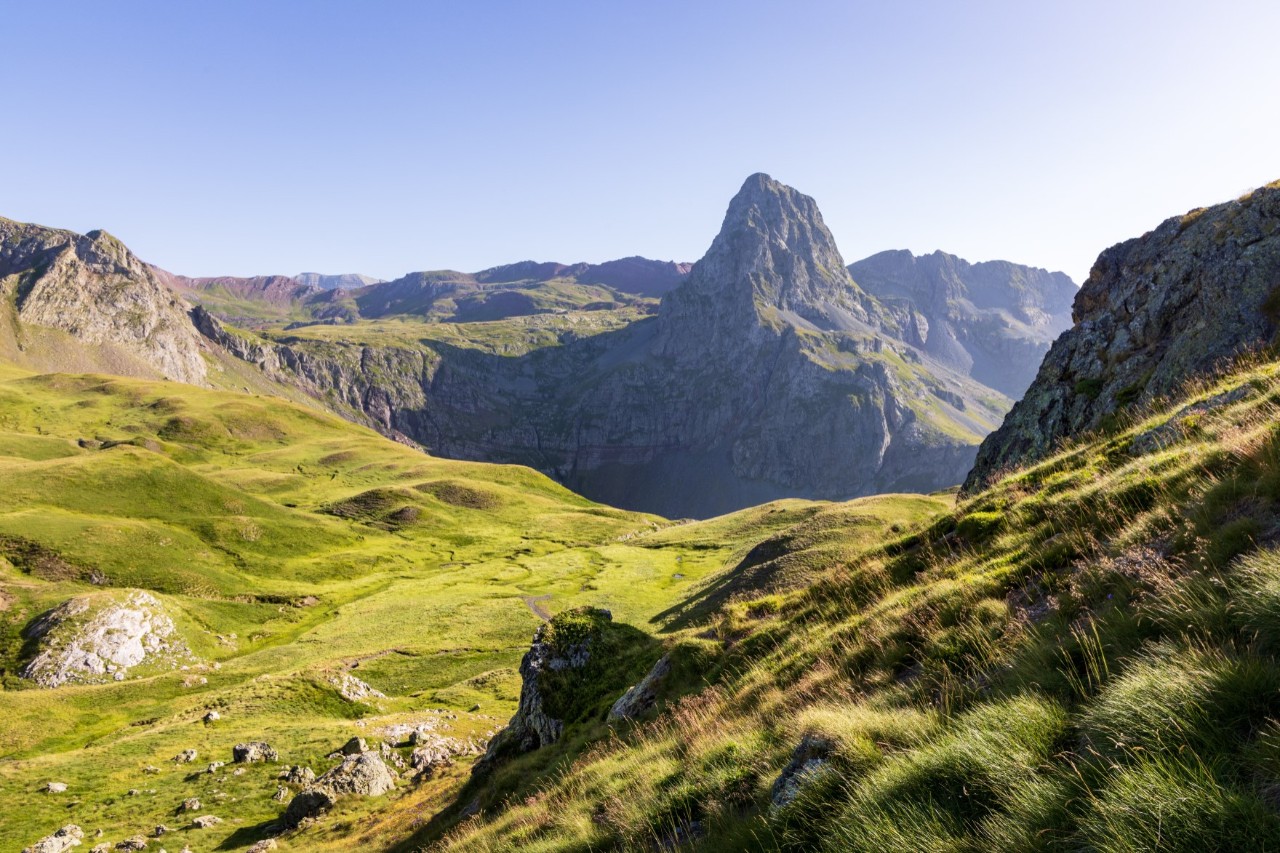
x=534 y=602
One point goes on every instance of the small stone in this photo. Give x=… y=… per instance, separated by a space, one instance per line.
x=263 y=846
x=191 y=804
x=206 y=821
x=215 y=765
x=355 y=746
x=160 y=830
x=56 y=788
x=185 y=757
x=151 y=768
x=281 y=794
x=136 y=842
x=212 y=717
x=133 y=792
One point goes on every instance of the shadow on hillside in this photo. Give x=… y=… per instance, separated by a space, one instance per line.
x=756 y=572
x=246 y=836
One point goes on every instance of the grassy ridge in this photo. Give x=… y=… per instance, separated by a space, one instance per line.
x=1085 y=656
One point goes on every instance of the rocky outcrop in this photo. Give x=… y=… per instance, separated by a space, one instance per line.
x=93 y=288
x=993 y=321
x=563 y=646
x=1156 y=311
x=102 y=637
x=64 y=839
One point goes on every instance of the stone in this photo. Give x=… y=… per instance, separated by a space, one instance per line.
x=263 y=846
x=298 y=775
x=211 y=717
x=214 y=766
x=307 y=805
x=55 y=788
x=355 y=746
x=160 y=830
x=191 y=804
x=281 y=794
x=63 y=839
x=185 y=757
x=252 y=751
x=206 y=821
x=363 y=774
x=809 y=759
x=643 y=696
x=135 y=842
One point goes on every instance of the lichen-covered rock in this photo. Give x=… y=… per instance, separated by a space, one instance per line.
x=243 y=753
x=1156 y=311
x=643 y=696
x=185 y=757
x=102 y=637
x=64 y=839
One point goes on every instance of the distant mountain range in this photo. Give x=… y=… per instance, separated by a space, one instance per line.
x=767 y=369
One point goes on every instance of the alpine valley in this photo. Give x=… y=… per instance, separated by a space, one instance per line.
x=761 y=552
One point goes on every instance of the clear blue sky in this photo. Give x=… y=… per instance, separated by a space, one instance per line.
x=261 y=137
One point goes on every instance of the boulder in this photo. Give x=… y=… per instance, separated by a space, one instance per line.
x=191 y=804
x=211 y=717
x=206 y=821
x=64 y=839
x=643 y=696
x=355 y=746
x=55 y=788
x=362 y=775
x=263 y=846
x=185 y=757
x=136 y=842
x=256 y=750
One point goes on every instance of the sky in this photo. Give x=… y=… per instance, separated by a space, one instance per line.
x=242 y=138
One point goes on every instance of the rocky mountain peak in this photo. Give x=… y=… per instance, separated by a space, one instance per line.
x=774 y=263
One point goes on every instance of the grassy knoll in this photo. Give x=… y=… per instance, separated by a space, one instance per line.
x=1084 y=656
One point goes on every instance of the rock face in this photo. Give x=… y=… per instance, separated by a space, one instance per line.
x=1156 y=311
x=993 y=321
x=97 y=638
x=93 y=288
x=766 y=373
x=64 y=839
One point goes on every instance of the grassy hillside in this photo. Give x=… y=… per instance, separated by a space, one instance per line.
x=1084 y=656
x=292 y=548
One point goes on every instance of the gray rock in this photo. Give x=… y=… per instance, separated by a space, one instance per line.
x=55 y=788
x=135 y=842
x=211 y=717
x=214 y=766
x=643 y=696
x=256 y=750
x=263 y=846
x=355 y=746
x=298 y=775
x=206 y=821
x=191 y=804
x=1156 y=311
x=363 y=774
x=64 y=839
x=185 y=757
x=807 y=761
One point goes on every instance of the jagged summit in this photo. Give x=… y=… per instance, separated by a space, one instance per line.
x=774 y=263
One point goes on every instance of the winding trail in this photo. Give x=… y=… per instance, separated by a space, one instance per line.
x=534 y=602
